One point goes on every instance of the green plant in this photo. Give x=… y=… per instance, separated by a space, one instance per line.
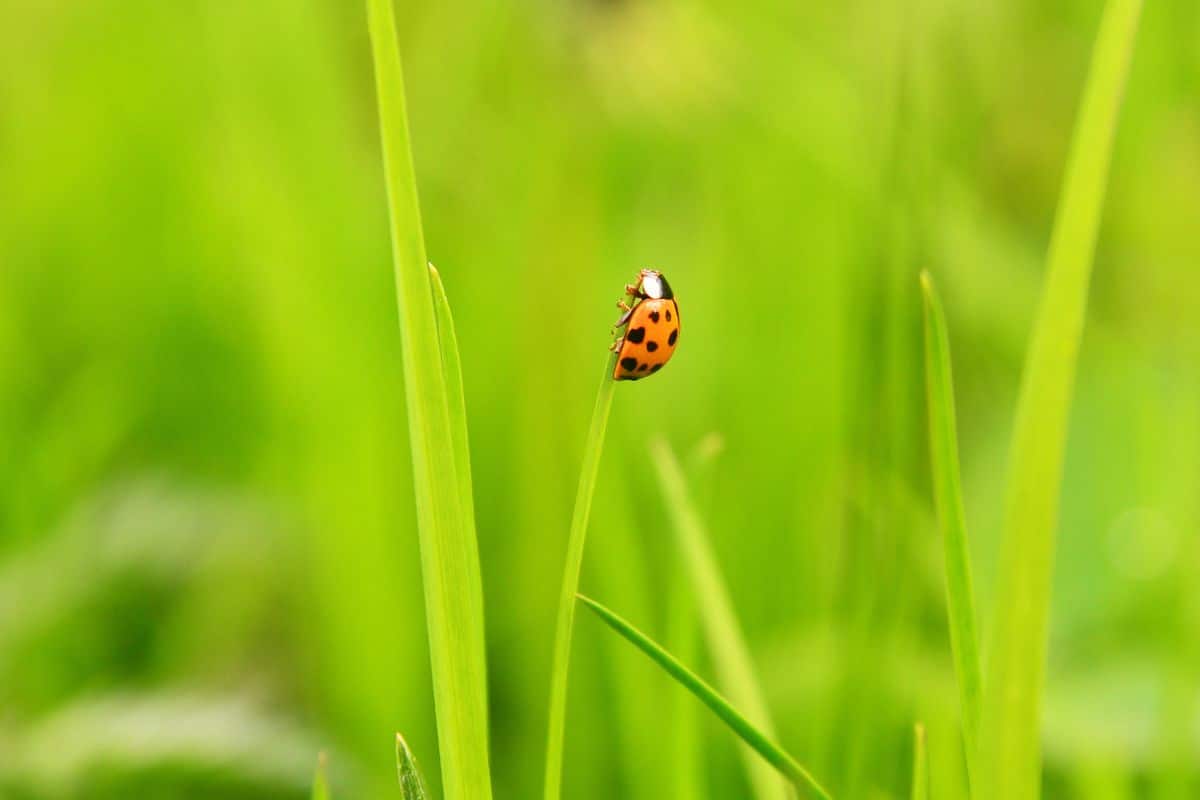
x=560 y=667
x=947 y=492
x=441 y=471
x=747 y=731
x=726 y=644
x=1010 y=751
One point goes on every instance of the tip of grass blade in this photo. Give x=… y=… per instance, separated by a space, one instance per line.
x=412 y=785
x=920 y=781
x=320 y=787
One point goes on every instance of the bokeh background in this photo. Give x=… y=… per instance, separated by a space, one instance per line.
x=208 y=561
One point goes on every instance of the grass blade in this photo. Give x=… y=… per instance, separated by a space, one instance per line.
x=920 y=780
x=456 y=399
x=449 y=554
x=760 y=742
x=320 y=788
x=561 y=664
x=1010 y=752
x=947 y=492
x=412 y=785
x=726 y=644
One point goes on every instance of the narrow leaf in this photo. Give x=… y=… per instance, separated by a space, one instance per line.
x=726 y=644
x=1010 y=748
x=752 y=735
x=456 y=398
x=449 y=555
x=320 y=787
x=561 y=664
x=947 y=492
x=920 y=778
x=412 y=785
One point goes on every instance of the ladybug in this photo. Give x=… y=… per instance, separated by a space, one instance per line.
x=651 y=327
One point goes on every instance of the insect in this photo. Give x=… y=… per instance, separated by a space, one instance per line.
x=651 y=327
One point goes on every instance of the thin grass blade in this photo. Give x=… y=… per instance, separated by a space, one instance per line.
x=449 y=554
x=761 y=742
x=320 y=788
x=920 y=779
x=456 y=399
x=576 y=539
x=947 y=492
x=1010 y=751
x=412 y=785
x=726 y=644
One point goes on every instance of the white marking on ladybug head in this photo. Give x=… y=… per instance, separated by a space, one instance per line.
x=652 y=284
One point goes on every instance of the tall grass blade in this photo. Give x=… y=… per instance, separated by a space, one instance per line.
x=761 y=742
x=320 y=789
x=920 y=779
x=449 y=554
x=560 y=667
x=947 y=492
x=726 y=644
x=412 y=785
x=1009 y=738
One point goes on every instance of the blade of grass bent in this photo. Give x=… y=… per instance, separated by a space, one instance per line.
x=947 y=491
x=920 y=779
x=761 y=742
x=320 y=787
x=1010 y=752
x=449 y=555
x=726 y=645
x=560 y=667
x=412 y=785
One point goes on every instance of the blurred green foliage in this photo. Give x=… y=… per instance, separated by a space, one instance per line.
x=208 y=565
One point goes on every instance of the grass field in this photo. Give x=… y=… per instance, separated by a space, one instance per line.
x=261 y=498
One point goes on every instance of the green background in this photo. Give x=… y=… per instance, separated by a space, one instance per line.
x=208 y=560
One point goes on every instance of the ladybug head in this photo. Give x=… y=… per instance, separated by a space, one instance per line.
x=654 y=285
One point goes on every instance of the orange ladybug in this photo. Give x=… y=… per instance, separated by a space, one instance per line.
x=651 y=327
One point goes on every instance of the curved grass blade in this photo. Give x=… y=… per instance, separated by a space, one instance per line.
x=1010 y=751
x=412 y=785
x=561 y=665
x=726 y=644
x=749 y=733
x=947 y=491
x=920 y=781
x=449 y=554
x=320 y=789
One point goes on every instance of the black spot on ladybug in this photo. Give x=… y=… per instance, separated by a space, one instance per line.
x=656 y=368
x=643 y=367
x=674 y=335
x=654 y=316
x=651 y=346
x=668 y=316
x=629 y=364
x=636 y=335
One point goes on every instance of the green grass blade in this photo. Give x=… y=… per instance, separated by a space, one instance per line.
x=947 y=491
x=920 y=779
x=752 y=735
x=412 y=785
x=1010 y=752
x=320 y=787
x=561 y=664
x=449 y=555
x=726 y=644
x=456 y=398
